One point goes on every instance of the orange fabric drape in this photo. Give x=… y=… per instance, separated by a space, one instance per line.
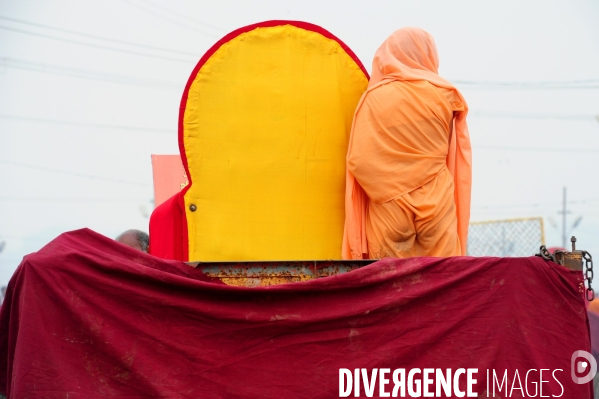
x=432 y=119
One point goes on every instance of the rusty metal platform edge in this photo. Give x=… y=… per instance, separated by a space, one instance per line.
x=264 y=273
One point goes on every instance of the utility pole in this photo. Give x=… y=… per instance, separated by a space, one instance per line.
x=565 y=228
x=564 y=211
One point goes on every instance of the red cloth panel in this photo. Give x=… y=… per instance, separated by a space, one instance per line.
x=168 y=230
x=86 y=317
x=594 y=331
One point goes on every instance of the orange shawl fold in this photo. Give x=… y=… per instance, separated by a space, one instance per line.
x=408 y=55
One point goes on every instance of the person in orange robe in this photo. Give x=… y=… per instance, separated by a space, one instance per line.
x=409 y=161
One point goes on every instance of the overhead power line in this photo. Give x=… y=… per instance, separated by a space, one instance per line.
x=490 y=114
x=86 y=73
x=160 y=15
x=101 y=38
x=533 y=205
x=171 y=131
x=87 y=44
x=542 y=85
x=42 y=199
x=184 y=16
x=67 y=172
x=4 y=236
x=535 y=149
x=84 y=124
x=547 y=85
x=10 y=259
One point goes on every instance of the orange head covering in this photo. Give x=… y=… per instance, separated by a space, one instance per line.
x=410 y=54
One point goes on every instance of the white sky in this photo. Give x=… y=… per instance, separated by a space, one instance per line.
x=69 y=173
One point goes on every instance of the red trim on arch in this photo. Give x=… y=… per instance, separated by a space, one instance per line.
x=200 y=64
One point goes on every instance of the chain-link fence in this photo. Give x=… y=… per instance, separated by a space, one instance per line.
x=510 y=237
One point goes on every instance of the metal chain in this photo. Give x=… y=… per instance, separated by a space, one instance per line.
x=588 y=274
x=588 y=268
x=545 y=254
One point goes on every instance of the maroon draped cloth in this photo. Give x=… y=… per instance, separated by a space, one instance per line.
x=86 y=317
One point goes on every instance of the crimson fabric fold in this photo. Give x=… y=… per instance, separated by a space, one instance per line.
x=168 y=229
x=86 y=317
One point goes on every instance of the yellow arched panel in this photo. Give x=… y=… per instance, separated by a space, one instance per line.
x=264 y=130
